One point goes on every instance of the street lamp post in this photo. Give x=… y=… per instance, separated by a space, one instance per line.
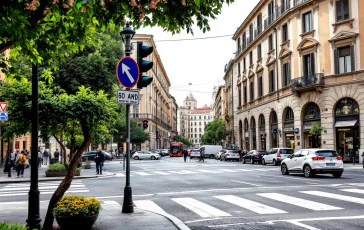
x=128 y=207
x=33 y=203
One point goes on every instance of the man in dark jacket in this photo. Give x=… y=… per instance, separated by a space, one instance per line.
x=99 y=159
x=56 y=156
x=185 y=154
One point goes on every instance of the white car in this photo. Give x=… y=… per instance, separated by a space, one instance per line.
x=313 y=161
x=276 y=155
x=145 y=155
x=194 y=153
x=218 y=155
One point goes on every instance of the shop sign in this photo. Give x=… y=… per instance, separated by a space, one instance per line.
x=306 y=127
x=274 y=130
x=296 y=130
x=345 y=123
x=289 y=135
x=344 y=130
x=288 y=129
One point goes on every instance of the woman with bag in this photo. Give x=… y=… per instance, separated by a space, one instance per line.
x=21 y=158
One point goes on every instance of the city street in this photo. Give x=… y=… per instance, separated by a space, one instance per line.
x=217 y=195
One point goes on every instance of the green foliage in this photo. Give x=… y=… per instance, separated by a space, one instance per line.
x=78 y=141
x=214 y=132
x=57 y=167
x=8 y=226
x=183 y=140
x=73 y=205
x=316 y=129
x=49 y=30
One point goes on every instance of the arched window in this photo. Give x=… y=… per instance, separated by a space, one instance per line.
x=347 y=107
x=312 y=112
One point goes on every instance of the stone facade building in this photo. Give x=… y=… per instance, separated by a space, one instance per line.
x=298 y=62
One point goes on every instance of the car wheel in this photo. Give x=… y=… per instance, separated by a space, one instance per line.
x=275 y=162
x=252 y=161
x=337 y=174
x=263 y=162
x=225 y=159
x=136 y=158
x=284 y=169
x=244 y=161
x=152 y=158
x=307 y=171
x=212 y=156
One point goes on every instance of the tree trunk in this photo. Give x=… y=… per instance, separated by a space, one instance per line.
x=65 y=184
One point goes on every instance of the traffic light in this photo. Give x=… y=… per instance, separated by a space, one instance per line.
x=145 y=124
x=144 y=66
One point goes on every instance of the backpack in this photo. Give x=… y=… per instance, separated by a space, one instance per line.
x=21 y=159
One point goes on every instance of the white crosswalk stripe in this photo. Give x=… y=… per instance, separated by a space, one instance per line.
x=22 y=189
x=227 y=170
x=143 y=173
x=250 y=205
x=148 y=205
x=335 y=196
x=354 y=190
x=200 y=208
x=299 y=202
x=162 y=173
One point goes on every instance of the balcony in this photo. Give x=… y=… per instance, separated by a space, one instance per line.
x=299 y=2
x=148 y=116
x=307 y=83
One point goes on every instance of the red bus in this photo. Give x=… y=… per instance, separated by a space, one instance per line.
x=176 y=149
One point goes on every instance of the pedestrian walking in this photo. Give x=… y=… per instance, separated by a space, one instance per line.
x=21 y=158
x=56 y=156
x=45 y=157
x=185 y=154
x=202 y=153
x=12 y=160
x=99 y=159
x=39 y=158
x=117 y=153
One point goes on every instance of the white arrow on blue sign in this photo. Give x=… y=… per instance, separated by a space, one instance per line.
x=127 y=72
x=3 y=116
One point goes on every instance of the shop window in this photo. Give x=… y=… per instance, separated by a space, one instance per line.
x=342 y=10
x=312 y=112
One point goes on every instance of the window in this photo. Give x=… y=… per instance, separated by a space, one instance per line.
x=251 y=57
x=260 y=86
x=251 y=90
x=195 y=130
x=309 y=64
x=195 y=123
x=239 y=96
x=245 y=95
x=195 y=135
x=270 y=42
x=270 y=13
x=244 y=64
x=191 y=130
x=342 y=10
x=344 y=59
x=200 y=134
x=271 y=81
x=244 y=40
x=200 y=130
x=259 y=23
x=204 y=123
x=191 y=123
x=200 y=117
x=200 y=123
x=238 y=44
x=191 y=135
x=259 y=52
x=239 y=68
x=251 y=33
x=286 y=74
x=284 y=33
x=307 y=22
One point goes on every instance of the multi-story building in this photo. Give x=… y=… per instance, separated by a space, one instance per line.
x=219 y=103
x=299 y=62
x=199 y=118
x=154 y=104
x=183 y=115
x=173 y=107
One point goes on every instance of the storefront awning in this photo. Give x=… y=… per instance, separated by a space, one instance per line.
x=345 y=123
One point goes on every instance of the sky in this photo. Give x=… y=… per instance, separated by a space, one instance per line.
x=200 y=62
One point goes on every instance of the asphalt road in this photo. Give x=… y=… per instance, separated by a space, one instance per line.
x=220 y=195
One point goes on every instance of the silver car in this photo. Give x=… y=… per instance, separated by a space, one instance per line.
x=231 y=155
x=145 y=155
x=194 y=153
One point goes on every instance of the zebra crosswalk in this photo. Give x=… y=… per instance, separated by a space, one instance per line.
x=192 y=171
x=22 y=189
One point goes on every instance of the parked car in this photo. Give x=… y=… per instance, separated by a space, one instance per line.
x=276 y=155
x=218 y=154
x=165 y=152
x=210 y=150
x=230 y=155
x=254 y=156
x=313 y=161
x=91 y=156
x=145 y=155
x=157 y=151
x=194 y=153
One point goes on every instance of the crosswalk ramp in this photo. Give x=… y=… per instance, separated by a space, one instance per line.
x=268 y=203
x=192 y=172
x=22 y=189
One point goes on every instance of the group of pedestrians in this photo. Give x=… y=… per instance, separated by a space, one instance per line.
x=44 y=157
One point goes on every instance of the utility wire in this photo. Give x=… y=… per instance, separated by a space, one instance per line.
x=189 y=91
x=192 y=85
x=191 y=39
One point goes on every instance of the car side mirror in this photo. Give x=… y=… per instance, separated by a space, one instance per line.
x=291 y=156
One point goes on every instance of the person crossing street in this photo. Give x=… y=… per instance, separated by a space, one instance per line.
x=202 y=153
x=185 y=154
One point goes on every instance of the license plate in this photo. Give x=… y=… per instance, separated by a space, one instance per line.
x=233 y=155
x=330 y=164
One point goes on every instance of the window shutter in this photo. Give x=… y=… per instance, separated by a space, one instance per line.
x=336 y=61
x=305 y=65
x=283 y=75
x=352 y=54
x=312 y=63
x=288 y=77
x=339 y=12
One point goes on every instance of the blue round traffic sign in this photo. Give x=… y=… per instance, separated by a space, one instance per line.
x=127 y=71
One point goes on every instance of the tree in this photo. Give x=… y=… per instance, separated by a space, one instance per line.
x=86 y=113
x=316 y=130
x=137 y=134
x=47 y=30
x=214 y=132
x=183 y=140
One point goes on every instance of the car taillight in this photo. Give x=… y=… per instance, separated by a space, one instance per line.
x=340 y=158
x=279 y=154
x=256 y=155
x=238 y=155
x=317 y=158
x=227 y=154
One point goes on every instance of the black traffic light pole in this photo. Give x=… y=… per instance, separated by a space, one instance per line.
x=128 y=199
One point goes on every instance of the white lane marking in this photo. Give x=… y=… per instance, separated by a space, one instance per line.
x=119 y=175
x=40 y=188
x=302 y=225
x=298 y=201
x=153 y=207
x=200 y=208
x=186 y=182
x=250 y=205
x=143 y=173
x=243 y=170
x=287 y=177
x=110 y=205
x=162 y=173
x=335 y=196
x=241 y=182
x=227 y=170
x=354 y=190
x=208 y=171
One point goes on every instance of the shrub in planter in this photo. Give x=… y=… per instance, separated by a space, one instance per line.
x=58 y=169
x=77 y=212
x=8 y=226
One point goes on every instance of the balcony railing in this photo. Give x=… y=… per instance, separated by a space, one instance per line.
x=298 y=2
x=281 y=9
x=307 y=81
x=148 y=116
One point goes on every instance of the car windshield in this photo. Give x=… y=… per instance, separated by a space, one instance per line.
x=327 y=153
x=261 y=152
x=286 y=151
x=175 y=149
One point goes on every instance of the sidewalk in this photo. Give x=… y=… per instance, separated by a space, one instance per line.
x=85 y=174
x=350 y=165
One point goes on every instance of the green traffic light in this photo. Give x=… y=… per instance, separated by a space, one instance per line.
x=144 y=81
